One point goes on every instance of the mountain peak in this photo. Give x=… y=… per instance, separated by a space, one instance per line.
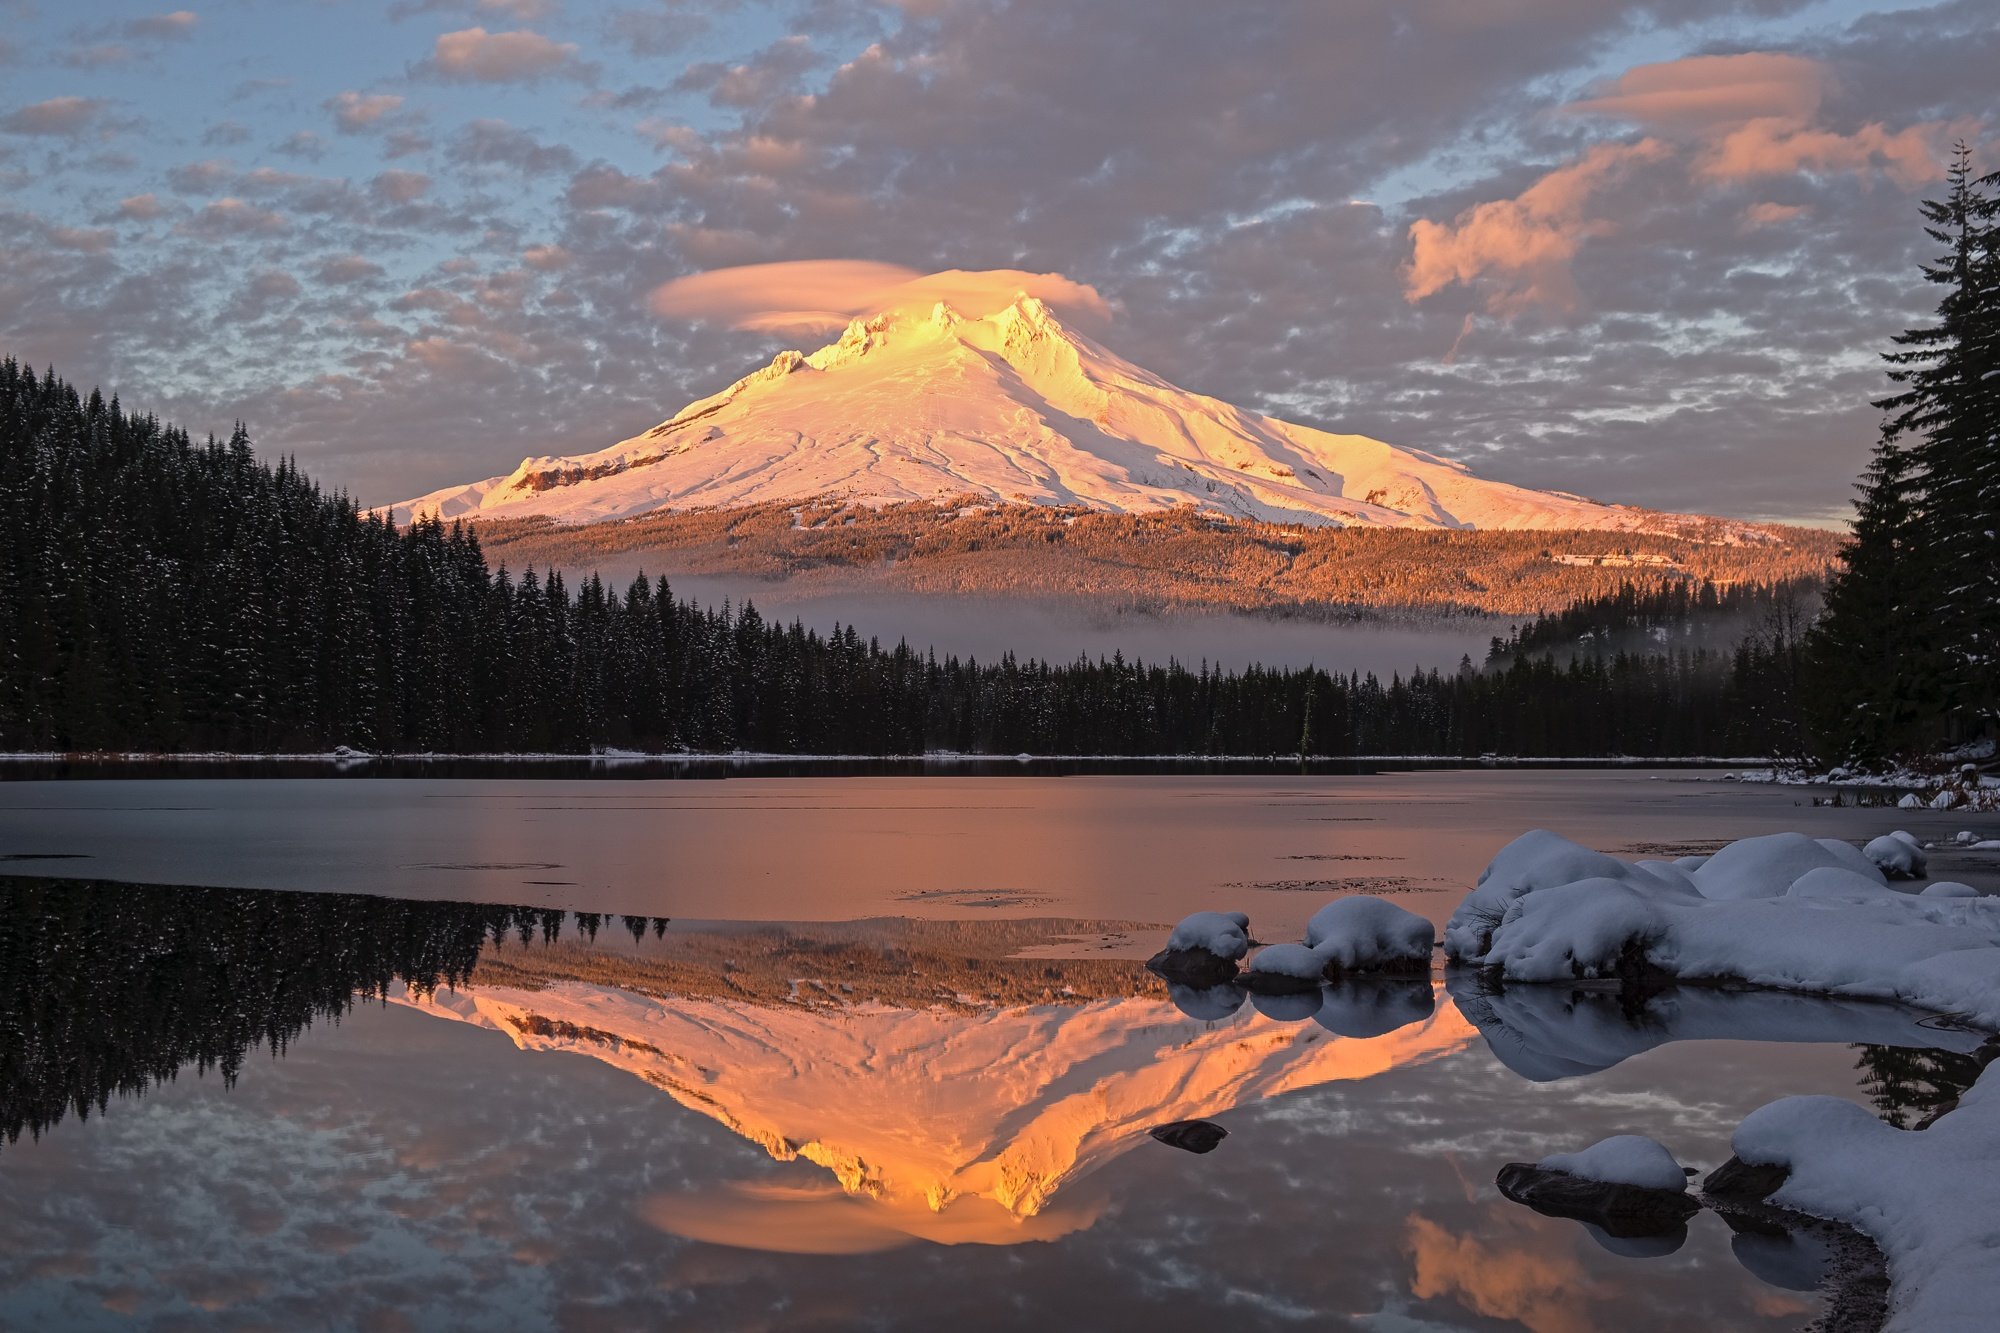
x=976 y=392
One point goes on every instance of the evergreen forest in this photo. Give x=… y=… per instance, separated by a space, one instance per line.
x=160 y=593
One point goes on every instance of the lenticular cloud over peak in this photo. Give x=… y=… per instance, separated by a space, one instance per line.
x=822 y=295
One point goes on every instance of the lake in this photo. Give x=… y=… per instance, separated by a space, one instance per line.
x=862 y=1051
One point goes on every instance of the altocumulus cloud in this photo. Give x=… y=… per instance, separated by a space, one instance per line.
x=1626 y=281
x=502 y=57
x=1720 y=119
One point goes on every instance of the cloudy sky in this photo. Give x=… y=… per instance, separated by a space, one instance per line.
x=1643 y=251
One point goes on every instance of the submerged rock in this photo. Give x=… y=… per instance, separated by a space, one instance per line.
x=1196 y=1136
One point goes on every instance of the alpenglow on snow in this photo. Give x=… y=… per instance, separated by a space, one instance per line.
x=1006 y=406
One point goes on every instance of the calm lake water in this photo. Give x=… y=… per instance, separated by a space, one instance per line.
x=857 y=1052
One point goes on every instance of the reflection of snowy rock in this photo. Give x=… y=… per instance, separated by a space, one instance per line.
x=1286 y=1006
x=1210 y=1004
x=1637 y=1247
x=1554 y=1032
x=1372 y=1007
x=1370 y=934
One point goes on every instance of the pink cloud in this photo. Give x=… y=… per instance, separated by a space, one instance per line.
x=400 y=187
x=355 y=112
x=1771 y=215
x=820 y=295
x=57 y=115
x=1720 y=119
x=1703 y=91
x=1909 y=157
x=1521 y=247
x=480 y=56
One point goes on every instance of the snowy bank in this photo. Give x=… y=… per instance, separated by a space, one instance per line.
x=1929 y=1198
x=1784 y=911
x=1787 y=912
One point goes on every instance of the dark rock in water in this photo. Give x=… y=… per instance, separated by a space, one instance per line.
x=1737 y=1180
x=1618 y=1210
x=1190 y=1135
x=1197 y=969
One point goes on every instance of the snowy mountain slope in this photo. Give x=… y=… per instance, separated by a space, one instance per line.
x=1009 y=406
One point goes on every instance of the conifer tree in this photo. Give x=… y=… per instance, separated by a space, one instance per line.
x=1907 y=656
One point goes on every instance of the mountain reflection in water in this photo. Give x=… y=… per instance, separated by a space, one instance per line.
x=943 y=1084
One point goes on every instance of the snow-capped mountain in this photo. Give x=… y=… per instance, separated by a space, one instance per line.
x=1010 y=406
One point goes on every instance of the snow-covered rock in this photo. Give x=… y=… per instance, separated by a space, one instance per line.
x=1785 y=910
x=1224 y=934
x=1622 y=1159
x=1910 y=801
x=1535 y=860
x=1585 y=929
x=1284 y=967
x=1203 y=949
x=1899 y=855
x=1949 y=888
x=1626 y=1186
x=1357 y=934
x=1838 y=882
x=991 y=394
x=1767 y=866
